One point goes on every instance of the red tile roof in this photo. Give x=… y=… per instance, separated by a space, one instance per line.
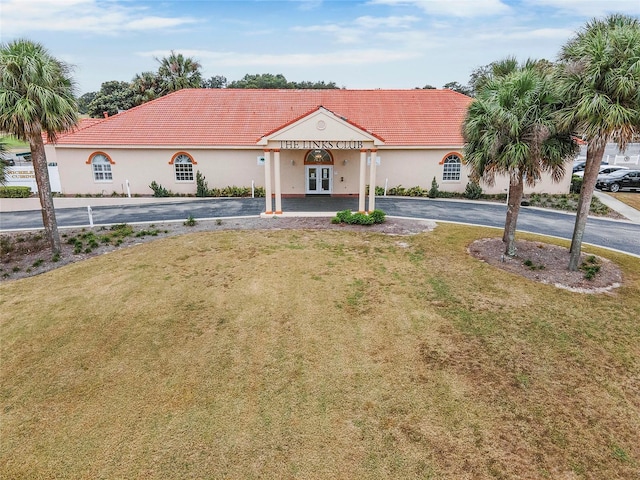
x=228 y=117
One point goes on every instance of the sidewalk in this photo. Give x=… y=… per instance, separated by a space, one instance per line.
x=622 y=208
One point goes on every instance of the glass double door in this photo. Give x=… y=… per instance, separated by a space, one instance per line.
x=319 y=179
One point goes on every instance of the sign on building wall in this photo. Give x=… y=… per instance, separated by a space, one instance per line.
x=26 y=177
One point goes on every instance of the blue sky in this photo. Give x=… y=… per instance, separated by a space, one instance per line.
x=355 y=43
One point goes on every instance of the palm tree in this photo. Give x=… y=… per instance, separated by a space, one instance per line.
x=146 y=87
x=36 y=98
x=510 y=129
x=599 y=74
x=177 y=72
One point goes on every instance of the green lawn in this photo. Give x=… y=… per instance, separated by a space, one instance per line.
x=316 y=354
x=10 y=142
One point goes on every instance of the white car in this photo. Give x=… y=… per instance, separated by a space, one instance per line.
x=604 y=170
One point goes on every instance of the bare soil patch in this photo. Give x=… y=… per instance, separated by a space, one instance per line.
x=547 y=263
x=25 y=254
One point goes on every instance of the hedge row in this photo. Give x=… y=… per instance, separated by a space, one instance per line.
x=15 y=192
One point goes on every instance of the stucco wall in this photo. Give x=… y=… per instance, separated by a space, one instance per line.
x=140 y=167
x=222 y=168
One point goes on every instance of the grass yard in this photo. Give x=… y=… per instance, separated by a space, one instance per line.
x=11 y=142
x=316 y=354
x=630 y=198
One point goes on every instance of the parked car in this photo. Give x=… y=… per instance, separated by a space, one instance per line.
x=619 y=180
x=9 y=162
x=578 y=167
x=604 y=170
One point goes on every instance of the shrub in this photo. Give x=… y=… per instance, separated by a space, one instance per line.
x=415 y=192
x=576 y=184
x=15 y=192
x=378 y=216
x=345 y=216
x=433 y=191
x=397 y=191
x=190 y=221
x=202 y=189
x=159 y=190
x=473 y=191
x=590 y=267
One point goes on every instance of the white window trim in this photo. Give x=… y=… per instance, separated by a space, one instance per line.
x=108 y=171
x=444 y=169
x=177 y=162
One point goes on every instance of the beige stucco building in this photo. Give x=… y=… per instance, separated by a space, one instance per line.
x=290 y=142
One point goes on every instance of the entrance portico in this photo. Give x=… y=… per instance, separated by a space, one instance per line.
x=319 y=154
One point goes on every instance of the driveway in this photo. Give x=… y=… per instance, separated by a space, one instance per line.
x=614 y=234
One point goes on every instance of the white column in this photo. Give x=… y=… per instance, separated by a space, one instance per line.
x=362 y=190
x=267 y=181
x=372 y=181
x=276 y=175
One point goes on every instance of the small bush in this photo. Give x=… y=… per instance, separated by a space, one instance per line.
x=590 y=267
x=576 y=184
x=15 y=192
x=159 y=190
x=434 y=191
x=473 y=191
x=190 y=221
x=202 y=188
x=345 y=216
x=415 y=192
x=378 y=216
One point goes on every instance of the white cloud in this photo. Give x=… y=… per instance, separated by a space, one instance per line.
x=337 y=33
x=91 y=16
x=589 y=8
x=452 y=8
x=528 y=34
x=363 y=29
x=388 y=22
x=327 y=59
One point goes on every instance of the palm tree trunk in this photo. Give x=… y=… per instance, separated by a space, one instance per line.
x=44 y=192
x=592 y=166
x=516 y=189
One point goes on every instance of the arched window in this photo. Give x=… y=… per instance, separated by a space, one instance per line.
x=318 y=156
x=183 y=167
x=451 y=168
x=101 y=166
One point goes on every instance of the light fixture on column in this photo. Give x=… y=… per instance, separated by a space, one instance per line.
x=293 y=162
x=344 y=162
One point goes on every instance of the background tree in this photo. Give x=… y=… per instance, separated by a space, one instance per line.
x=511 y=129
x=112 y=97
x=145 y=87
x=84 y=101
x=36 y=97
x=264 y=80
x=271 y=81
x=177 y=72
x=321 y=85
x=217 y=81
x=457 y=87
x=599 y=73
